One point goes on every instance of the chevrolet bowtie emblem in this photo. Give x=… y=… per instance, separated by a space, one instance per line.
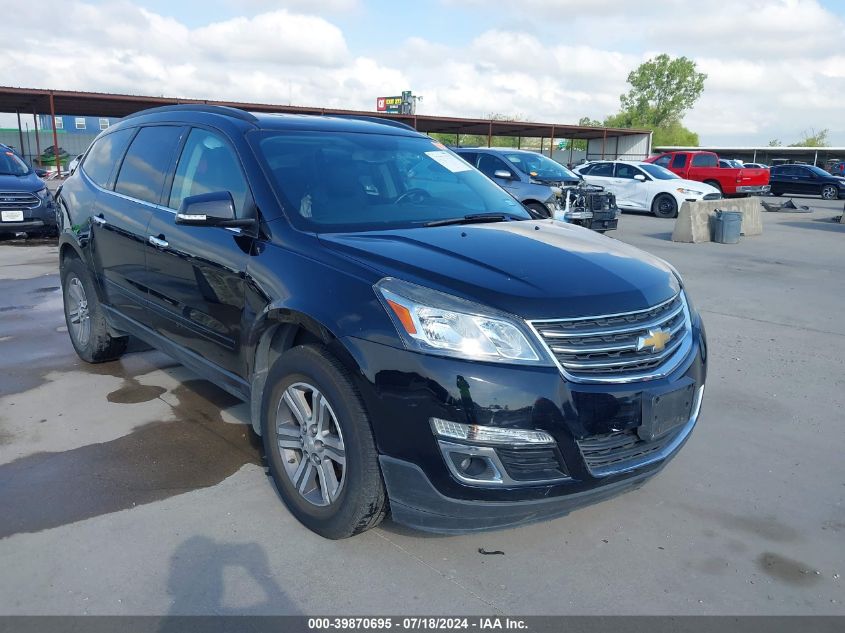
x=656 y=340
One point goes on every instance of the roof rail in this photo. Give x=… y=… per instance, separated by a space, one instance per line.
x=199 y=107
x=374 y=119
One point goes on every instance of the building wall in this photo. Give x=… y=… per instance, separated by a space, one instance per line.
x=76 y=124
x=73 y=144
x=632 y=147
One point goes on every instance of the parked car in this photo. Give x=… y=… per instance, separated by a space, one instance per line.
x=806 y=179
x=837 y=168
x=26 y=206
x=545 y=186
x=407 y=335
x=644 y=186
x=755 y=166
x=730 y=163
x=704 y=167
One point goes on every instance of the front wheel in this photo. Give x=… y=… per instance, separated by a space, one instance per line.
x=86 y=322
x=541 y=209
x=319 y=445
x=830 y=192
x=664 y=206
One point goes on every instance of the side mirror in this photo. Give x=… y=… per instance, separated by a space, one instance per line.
x=503 y=173
x=639 y=177
x=211 y=209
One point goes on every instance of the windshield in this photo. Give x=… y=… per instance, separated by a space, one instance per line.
x=656 y=171
x=539 y=166
x=336 y=181
x=12 y=165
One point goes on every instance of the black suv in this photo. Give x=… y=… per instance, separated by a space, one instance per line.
x=806 y=179
x=410 y=339
x=25 y=203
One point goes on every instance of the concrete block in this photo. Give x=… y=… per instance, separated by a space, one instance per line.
x=693 y=223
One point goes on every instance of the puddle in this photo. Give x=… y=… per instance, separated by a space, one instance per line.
x=156 y=461
x=788 y=570
x=133 y=392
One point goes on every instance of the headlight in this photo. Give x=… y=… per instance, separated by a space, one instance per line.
x=437 y=323
x=44 y=194
x=689 y=192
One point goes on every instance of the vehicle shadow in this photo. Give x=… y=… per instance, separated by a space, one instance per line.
x=197 y=583
x=819 y=225
x=665 y=236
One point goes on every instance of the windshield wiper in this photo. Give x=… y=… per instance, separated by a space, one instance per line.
x=473 y=218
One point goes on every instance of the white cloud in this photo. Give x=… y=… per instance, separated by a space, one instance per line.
x=774 y=67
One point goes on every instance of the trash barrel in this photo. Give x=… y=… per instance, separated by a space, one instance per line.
x=727 y=225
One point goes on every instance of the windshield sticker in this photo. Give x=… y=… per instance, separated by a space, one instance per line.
x=449 y=161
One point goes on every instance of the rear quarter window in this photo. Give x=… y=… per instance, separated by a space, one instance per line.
x=144 y=168
x=105 y=154
x=704 y=160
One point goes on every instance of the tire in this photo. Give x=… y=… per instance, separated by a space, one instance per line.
x=539 y=208
x=86 y=322
x=776 y=192
x=664 y=205
x=338 y=500
x=830 y=192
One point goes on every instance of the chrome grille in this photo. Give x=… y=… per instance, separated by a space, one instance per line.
x=611 y=348
x=18 y=200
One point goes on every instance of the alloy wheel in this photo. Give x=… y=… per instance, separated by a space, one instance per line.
x=829 y=193
x=310 y=443
x=78 y=316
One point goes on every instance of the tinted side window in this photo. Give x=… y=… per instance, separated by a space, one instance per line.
x=786 y=170
x=208 y=164
x=602 y=169
x=470 y=157
x=626 y=171
x=145 y=166
x=663 y=161
x=679 y=160
x=488 y=164
x=704 y=160
x=584 y=171
x=104 y=154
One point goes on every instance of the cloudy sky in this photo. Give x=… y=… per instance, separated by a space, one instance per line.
x=775 y=67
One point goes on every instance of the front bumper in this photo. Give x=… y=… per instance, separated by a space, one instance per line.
x=38 y=219
x=753 y=189
x=403 y=390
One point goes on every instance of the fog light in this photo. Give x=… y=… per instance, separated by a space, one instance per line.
x=489 y=434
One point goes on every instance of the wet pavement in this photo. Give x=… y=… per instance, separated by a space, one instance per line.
x=133 y=487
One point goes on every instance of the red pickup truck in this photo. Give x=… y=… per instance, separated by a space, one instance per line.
x=704 y=167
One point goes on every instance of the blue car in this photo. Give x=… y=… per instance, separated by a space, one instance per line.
x=26 y=206
x=545 y=186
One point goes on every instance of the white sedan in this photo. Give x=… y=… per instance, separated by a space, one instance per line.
x=645 y=186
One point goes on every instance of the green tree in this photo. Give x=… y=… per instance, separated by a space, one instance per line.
x=813 y=139
x=662 y=90
x=775 y=142
x=582 y=144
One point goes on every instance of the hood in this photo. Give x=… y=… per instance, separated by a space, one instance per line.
x=534 y=269
x=30 y=182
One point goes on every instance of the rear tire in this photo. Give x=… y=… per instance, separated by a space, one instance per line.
x=86 y=321
x=319 y=445
x=714 y=183
x=664 y=205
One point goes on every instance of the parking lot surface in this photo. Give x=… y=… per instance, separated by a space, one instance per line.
x=134 y=487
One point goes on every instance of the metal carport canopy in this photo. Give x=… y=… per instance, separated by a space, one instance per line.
x=34 y=100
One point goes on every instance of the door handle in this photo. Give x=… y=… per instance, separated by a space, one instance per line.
x=98 y=219
x=157 y=242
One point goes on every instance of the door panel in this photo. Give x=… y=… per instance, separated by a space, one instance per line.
x=630 y=193
x=196 y=273
x=119 y=221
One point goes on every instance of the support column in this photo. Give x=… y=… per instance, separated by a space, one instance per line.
x=816 y=158
x=571 y=143
x=552 y=142
x=20 y=132
x=490 y=134
x=37 y=140
x=55 y=136
x=518 y=142
x=603 y=143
